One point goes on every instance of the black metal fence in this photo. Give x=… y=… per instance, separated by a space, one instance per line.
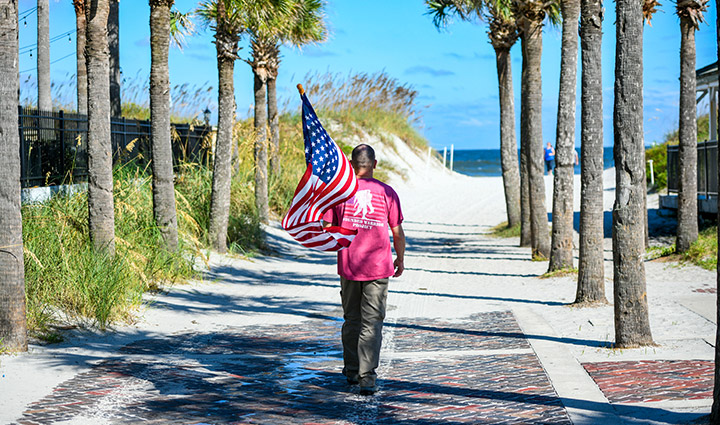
x=707 y=168
x=53 y=145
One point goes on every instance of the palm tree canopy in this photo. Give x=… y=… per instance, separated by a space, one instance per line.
x=242 y=17
x=442 y=11
x=649 y=9
x=502 y=29
x=307 y=24
x=693 y=10
x=536 y=10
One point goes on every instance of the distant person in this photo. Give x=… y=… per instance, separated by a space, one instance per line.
x=366 y=266
x=549 y=158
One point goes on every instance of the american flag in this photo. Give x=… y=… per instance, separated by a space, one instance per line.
x=329 y=180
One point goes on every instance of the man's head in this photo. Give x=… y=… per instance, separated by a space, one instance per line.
x=363 y=160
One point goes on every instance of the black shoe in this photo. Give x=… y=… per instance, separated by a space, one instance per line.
x=352 y=380
x=368 y=390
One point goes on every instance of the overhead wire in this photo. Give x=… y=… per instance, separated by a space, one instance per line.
x=31 y=47
x=56 y=60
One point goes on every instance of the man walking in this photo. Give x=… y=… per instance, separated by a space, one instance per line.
x=366 y=266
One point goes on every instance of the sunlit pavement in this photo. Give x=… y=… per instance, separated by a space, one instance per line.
x=478 y=370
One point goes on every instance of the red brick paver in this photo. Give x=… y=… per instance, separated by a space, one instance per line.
x=659 y=380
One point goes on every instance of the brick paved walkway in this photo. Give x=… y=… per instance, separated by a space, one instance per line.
x=648 y=381
x=480 y=370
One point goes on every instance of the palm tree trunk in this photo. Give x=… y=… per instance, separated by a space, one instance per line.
x=274 y=120
x=508 y=143
x=591 y=269
x=80 y=56
x=261 y=155
x=561 y=253
x=220 y=199
x=715 y=412
x=100 y=179
x=43 y=55
x=632 y=325
x=162 y=164
x=525 y=233
x=13 y=327
x=687 y=227
x=114 y=44
x=532 y=97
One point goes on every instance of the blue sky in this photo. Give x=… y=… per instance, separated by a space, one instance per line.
x=453 y=70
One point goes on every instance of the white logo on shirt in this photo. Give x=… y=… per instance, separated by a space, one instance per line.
x=363 y=203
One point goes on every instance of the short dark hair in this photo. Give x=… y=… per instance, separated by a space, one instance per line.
x=363 y=156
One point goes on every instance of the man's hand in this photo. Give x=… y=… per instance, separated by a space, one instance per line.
x=399 y=245
x=399 y=267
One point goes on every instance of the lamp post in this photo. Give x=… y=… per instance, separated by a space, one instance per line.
x=206 y=115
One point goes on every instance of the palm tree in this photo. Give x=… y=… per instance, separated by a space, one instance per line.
x=13 y=326
x=529 y=15
x=691 y=14
x=649 y=9
x=715 y=412
x=260 y=58
x=265 y=35
x=162 y=165
x=562 y=215
x=272 y=110
x=100 y=179
x=224 y=17
x=80 y=55
x=307 y=27
x=114 y=44
x=43 y=55
x=503 y=33
x=591 y=269
x=632 y=325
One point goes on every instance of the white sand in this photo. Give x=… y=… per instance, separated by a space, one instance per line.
x=453 y=271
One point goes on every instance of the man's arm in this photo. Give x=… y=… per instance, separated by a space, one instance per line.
x=399 y=245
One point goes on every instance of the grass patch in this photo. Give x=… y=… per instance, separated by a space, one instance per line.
x=67 y=280
x=655 y=252
x=502 y=230
x=568 y=271
x=702 y=252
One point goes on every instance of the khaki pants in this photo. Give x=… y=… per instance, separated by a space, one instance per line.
x=364 y=311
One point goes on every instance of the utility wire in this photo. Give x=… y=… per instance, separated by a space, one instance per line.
x=25 y=13
x=56 y=60
x=31 y=47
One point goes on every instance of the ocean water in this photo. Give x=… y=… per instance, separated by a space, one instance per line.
x=486 y=162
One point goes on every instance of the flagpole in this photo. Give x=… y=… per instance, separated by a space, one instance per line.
x=301 y=89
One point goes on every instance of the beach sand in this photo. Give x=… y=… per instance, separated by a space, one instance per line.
x=454 y=270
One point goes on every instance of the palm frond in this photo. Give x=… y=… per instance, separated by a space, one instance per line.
x=181 y=26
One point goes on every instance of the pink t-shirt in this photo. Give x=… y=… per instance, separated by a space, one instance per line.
x=374 y=207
